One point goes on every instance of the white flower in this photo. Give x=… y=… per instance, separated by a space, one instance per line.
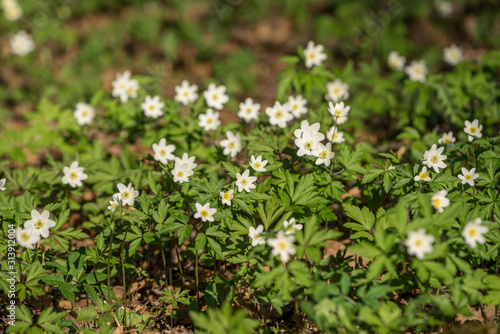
x=244 y=181
x=232 y=145
x=227 y=196
x=2 y=184
x=215 y=97
x=114 y=203
x=127 y=194
x=308 y=137
x=279 y=114
x=339 y=112
x=468 y=176
x=22 y=43
x=473 y=233
x=282 y=246
x=181 y=173
x=447 y=139
x=337 y=90
x=209 y=121
x=423 y=175
x=453 y=54
x=249 y=110
x=186 y=160
x=152 y=107
x=439 y=200
x=84 y=113
x=434 y=159
x=40 y=222
x=13 y=11
x=419 y=243
x=473 y=129
x=256 y=235
x=324 y=154
x=444 y=8
x=163 y=152
x=27 y=237
x=74 y=175
x=335 y=136
x=186 y=93
x=124 y=87
x=297 y=105
x=314 y=54
x=290 y=226
x=396 y=61
x=257 y=164
x=417 y=71
x=205 y=212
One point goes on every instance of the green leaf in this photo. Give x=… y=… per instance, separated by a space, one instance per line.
x=48 y=315
x=95 y=277
x=67 y=289
x=365 y=217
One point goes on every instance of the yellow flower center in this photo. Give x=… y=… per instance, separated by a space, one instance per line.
x=210 y=121
x=338 y=112
x=257 y=164
x=312 y=55
x=186 y=94
x=25 y=236
x=232 y=144
x=472 y=232
x=436 y=202
x=85 y=113
x=249 y=111
x=295 y=107
x=244 y=182
x=227 y=196
x=73 y=175
x=468 y=177
x=125 y=195
x=152 y=107
x=291 y=230
x=335 y=135
x=130 y=91
x=282 y=245
x=163 y=152
x=114 y=206
x=336 y=91
x=417 y=70
x=323 y=154
x=204 y=213
x=279 y=114
x=472 y=129
x=215 y=97
x=418 y=242
x=39 y=223
x=423 y=175
x=308 y=145
x=446 y=140
x=435 y=158
x=256 y=236
x=180 y=174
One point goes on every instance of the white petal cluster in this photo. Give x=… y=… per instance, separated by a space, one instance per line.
x=335 y=136
x=279 y=114
x=209 y=121
x=2 y=184
x=215 y=96
x=245 y=181
x=186 y=93
x=447 y=139
x=124 y=87
x=12 y=9
x=183 y=168
x=473 y=233
x=439 y=200
x=205 y=212
x=434 y=159
x=126 y=194
x=21 y=43
x=249 y=110
x=308 y=138
x=339 y=112
x=473 y=129
x=337 y=90
x=291 y=226
x=453 y=54
x=257 y=164
x=34 y=229
x=227 y=196
x=256 y=235
x=417 y=71
x=419 y=243
x=396 y=61
x=152 y=107
x=314 y=55
x=74 y=175
x=84 y=113
x=423 y=175
x=231 y=145
x=297 y=105
x=282 y=246
x=163 y=152
x=468 y=176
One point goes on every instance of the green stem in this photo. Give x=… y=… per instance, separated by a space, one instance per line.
x=109 y=259
x=124 y=280
x=196 y=275
x=165 y=266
